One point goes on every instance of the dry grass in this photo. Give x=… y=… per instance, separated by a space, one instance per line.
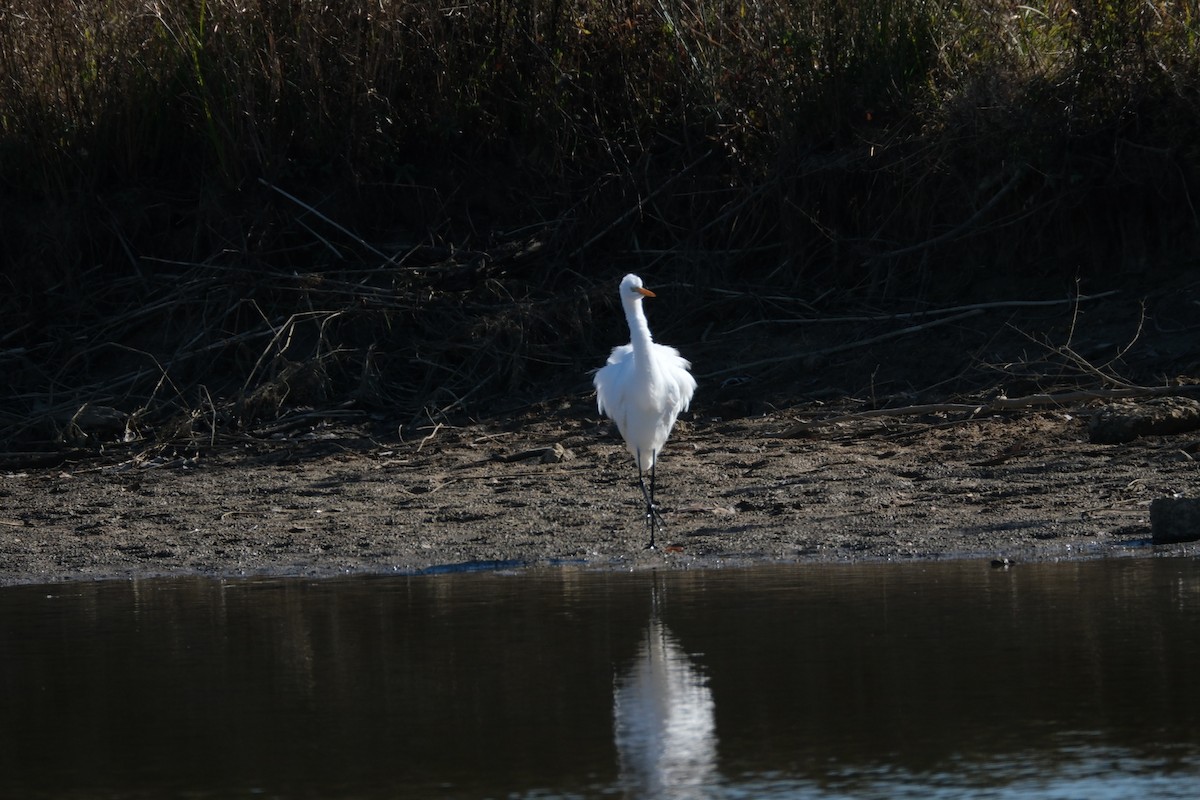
x=216 y=214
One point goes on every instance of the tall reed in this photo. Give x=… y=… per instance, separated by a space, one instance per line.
x=883 y=148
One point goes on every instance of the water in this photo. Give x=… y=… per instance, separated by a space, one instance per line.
x=954 y=680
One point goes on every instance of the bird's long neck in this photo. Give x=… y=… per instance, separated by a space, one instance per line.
x=639 y=329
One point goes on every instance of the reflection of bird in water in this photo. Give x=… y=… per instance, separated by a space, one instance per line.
x=643 y=387
x=664 y=721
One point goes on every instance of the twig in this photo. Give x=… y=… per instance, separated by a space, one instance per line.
x=1067 y=352
x=328 y=244
x=1089 y=368
x=288 y=328
x=639 y=205
x=437 y=427
x=911 y=314
x=212 y=425
x=164 y=376
x=358 y=239
x=4 y=337
x=958 y=230
x=297 y=420
x=848 y=346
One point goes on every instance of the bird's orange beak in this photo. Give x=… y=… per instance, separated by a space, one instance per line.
x=644 y=292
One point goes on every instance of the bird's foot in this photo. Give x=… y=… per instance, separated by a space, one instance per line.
x=654 y=521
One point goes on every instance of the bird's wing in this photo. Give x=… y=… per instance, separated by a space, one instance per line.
x=681 y=384
x=621 y=353
x=611 y=380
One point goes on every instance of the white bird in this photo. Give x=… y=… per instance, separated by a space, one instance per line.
x=642 y=388
x=665 y=721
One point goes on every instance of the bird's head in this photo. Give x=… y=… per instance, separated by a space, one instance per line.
x=632 y=288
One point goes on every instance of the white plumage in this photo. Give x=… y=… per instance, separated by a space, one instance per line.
x=643 y=388
x=665 y=722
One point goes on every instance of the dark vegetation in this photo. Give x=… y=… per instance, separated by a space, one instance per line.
x=217 y=216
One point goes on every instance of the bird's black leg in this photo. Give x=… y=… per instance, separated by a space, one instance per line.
x=653 y=509
x=653 y=519
x=652 y=468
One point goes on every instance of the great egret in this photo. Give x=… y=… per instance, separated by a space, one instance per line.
x=664 y=719
x=642 y=388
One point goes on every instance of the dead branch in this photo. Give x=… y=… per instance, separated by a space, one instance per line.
x=962 y=228
x=1068 y=353
x=911 y=314
x=639 y=205
x=357 y=239
x=848 y=346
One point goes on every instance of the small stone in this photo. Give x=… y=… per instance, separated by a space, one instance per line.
x=1174 y=519
x=553 y=455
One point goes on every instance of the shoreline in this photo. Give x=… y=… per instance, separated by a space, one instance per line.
x=734 y=494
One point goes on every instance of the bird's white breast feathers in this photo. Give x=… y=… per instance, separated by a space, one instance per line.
x=644 y=397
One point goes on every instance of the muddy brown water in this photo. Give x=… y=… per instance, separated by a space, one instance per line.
x=956 y=679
